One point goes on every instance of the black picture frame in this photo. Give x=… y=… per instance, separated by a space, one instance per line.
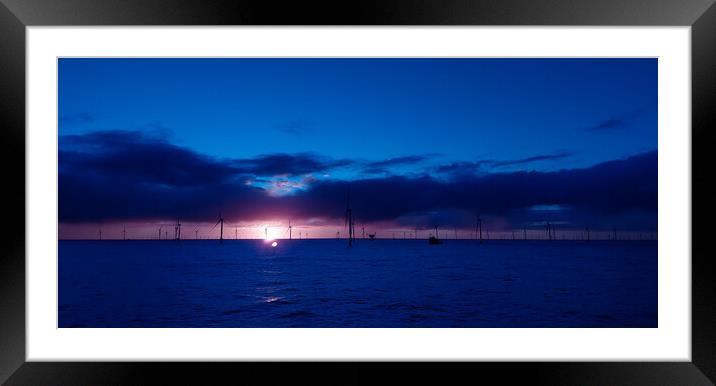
x=16 y=15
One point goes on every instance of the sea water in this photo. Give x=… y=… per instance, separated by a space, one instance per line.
x=376 y=283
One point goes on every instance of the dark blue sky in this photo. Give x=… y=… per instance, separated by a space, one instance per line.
x=372 y=108
x=350 y=120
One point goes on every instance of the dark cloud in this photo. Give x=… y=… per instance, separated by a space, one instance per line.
x=405 y=160
x=123 y=176
x=381 y=167
x=131 y=157
x=463 y=167
x=287 y=164
x=537 y=158
x=612 y=187
x=618 y=122
x=471 y=167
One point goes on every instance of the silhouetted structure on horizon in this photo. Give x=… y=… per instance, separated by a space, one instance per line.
x=177 y=230
x=435 y=239
x=478 y=228
x=349 y=221
x=221 y=229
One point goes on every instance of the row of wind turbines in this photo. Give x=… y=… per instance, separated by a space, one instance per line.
x=550 y=231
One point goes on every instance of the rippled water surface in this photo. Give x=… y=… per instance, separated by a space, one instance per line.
x=381 y=283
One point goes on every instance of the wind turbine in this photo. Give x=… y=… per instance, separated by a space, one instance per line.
x=478 y=227
x=349 y=221
x=549 y=231
x=289 y=229
x=221 y=231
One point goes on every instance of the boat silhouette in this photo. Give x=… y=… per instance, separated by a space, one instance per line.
x=433 y=239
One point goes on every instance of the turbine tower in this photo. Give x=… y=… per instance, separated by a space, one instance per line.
x=221 y=229
x=349 y=221
x=478 y=227
x=289 y=229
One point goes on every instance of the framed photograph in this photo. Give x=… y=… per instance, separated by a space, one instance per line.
x=508 y=186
